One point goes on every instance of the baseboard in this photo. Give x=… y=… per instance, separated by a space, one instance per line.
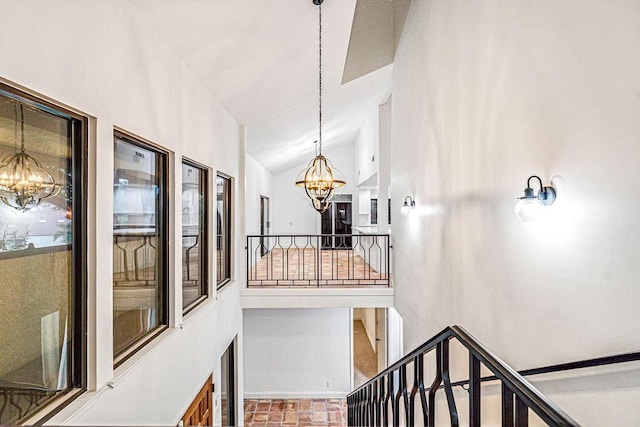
x=296 y=395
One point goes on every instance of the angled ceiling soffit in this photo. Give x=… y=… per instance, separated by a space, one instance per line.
x=375 y=34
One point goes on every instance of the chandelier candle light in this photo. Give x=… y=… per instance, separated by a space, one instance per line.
x=319 y=178
x=24 y=183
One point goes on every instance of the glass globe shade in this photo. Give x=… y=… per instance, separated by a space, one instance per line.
x=405 y=209
x=528 y=208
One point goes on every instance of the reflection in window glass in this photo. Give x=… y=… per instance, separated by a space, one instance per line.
x=194 y=235
x=139 y=242
x=223 y=241
x=38 y=256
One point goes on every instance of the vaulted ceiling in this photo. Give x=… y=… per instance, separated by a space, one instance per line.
x=260 y=60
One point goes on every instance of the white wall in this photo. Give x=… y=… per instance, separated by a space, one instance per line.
x=292 y=213
x=104 y=60
x=294 y=352
x=486 y=94
x=259 y=183
x=395 y=332
x=366 y=147
x=384 y=164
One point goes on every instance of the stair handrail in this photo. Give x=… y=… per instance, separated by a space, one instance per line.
x=513 y=384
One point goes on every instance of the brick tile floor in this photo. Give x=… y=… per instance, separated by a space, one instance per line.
x=295 y=412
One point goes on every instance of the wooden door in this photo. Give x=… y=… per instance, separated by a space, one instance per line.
x=200 y=411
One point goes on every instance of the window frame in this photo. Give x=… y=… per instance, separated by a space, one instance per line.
x=228 y=198
x=204 y=286
x=78 y=301
x=163 y=169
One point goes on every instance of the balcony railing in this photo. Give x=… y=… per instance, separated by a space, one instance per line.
x=323 y=260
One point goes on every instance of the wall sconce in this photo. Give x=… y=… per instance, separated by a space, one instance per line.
x=408 y=206
x=529 y=205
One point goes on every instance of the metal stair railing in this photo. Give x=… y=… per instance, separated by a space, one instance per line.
x=387 y=398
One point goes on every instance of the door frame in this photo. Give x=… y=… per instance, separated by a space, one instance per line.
x=232 y=385
x=265 y=224
x=381 y=337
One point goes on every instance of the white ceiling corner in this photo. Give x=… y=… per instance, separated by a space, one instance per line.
x=260 y=60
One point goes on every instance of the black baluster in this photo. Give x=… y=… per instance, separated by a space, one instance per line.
x=421 y=389
x=412 y=395
x=368 y=408
x=380 y=386
x=448 y=390
x=374 y=401
x=403 y=388
x=522 y=413
x=387 y=397
x=434 y=387
x=474 y=391
x=361 y=414
x=396 y=401
x=372 y=404
x=507 y=406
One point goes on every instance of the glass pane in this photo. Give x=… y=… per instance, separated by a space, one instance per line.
x=374 y=211
x=223 y=241
x=35 y=260
x=193 y=234
x=343 y=224
x=138 y=293
x=326 y=227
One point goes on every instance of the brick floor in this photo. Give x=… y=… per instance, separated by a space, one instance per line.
x=295 y=412
x=297 y=267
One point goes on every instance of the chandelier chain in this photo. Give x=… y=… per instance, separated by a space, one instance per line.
x=320 y=77
x=21 y=128
x=319 y=179
x=15 y=129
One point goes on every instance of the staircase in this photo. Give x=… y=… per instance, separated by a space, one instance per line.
x=399 y=395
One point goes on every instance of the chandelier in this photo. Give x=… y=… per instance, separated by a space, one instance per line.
x=319 y=179
x=24 y=183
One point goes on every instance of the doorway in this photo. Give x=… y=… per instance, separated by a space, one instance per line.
x=369 y=343
x=337 y=221
x=228 y=386
x=264 y=225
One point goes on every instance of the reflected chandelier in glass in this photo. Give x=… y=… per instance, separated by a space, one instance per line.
x=24 y=183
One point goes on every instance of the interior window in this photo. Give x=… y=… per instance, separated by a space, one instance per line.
x=41 y=254
x=194 y=234
x=223 y=241
x=139 y=244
